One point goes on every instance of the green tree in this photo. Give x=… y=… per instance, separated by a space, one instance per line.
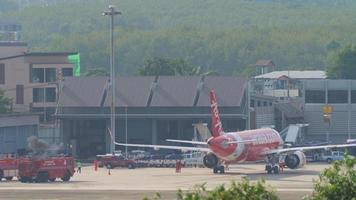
x=337 y=182
x=188 y=30
x=169 y=67
x=5 y=103
x=97 y=72
x=249 y=71
x=157 y=66
x=344 y=65
x=8 y=5
x=333 y=45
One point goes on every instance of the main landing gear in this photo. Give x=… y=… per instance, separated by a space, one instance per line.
x=219 y=169
x=272 y=165
x=272 y=169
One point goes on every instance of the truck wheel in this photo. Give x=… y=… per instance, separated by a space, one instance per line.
x=42 y=177
x=276 y=170
x=130 y=166
x=269 y=169
x=24 y=179
x=52 y=179
x=222 y=169
x=215 y=170
x=329 y=160
x=8 y=178
x=66 y=177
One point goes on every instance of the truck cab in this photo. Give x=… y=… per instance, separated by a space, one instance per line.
x=8 y=168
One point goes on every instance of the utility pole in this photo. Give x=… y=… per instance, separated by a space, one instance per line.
x=112 y=12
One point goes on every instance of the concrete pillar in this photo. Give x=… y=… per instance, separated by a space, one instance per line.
x=179 y=136
x=107 y=136
x=74 y=138
x=349 y=110
x=61 y=132
x=154 y=131
x=248 y=109
x=326 y=102
x=283 y=121
x=74 y=131
x=326 y=91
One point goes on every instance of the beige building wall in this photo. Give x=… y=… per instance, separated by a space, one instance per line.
x=7 y=51
x=18 y=72
x=46 y=85
x=59 y=60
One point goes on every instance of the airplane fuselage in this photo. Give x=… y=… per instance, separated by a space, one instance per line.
x=261 y=140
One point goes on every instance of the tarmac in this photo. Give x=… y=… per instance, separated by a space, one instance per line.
x=138 y=183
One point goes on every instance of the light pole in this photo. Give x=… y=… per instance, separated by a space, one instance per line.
x=126 y=130
x=112 y=12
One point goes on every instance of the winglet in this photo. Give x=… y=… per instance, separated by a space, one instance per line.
x=216 y=125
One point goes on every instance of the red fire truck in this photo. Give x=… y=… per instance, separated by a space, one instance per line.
x=8 y=168
x=47 y=169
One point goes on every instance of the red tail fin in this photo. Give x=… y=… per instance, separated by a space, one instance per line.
x=216 y=125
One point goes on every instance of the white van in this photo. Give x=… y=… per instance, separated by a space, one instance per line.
x=138 y=154
x=193 y=159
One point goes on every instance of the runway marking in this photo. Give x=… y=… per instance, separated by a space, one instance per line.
x=131 y=189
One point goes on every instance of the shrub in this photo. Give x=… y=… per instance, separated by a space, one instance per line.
x=337 y=182
x=243 y=190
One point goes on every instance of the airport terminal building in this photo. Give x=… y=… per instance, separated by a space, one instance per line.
x=150 y=109
x=337 y=96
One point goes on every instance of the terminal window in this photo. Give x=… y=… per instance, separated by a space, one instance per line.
x=337 y=96
x=252 y=103
x=353 y=96
x=43 y=75
x=314 y=96
x=2 y=73
x=39 y=95
x=67 y=72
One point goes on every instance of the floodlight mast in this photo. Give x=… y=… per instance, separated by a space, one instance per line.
x=112 y=12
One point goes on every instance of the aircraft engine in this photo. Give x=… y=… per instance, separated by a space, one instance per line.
x=295 y=160
x=210 y=160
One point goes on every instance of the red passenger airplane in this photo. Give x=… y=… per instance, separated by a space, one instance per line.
x=236 y=147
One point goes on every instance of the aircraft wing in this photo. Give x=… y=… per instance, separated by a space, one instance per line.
x=241 y=142
x=326 y=147
x=159 y=146
x=205 y=143
x=187 y=141
x=165 y=147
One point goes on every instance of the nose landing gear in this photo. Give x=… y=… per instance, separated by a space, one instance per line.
x=272 y=165
x=272 y=169
x=219 y=169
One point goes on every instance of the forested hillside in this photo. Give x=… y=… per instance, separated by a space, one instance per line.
x=225 y=35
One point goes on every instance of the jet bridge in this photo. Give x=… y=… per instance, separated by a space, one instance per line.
x=201 y=132
x=293 y=132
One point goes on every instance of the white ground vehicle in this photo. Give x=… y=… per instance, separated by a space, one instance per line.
x=332 y=156
x=138 y=154
x=193 y=159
